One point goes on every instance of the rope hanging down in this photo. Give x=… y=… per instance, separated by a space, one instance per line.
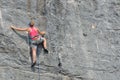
x=29 y=13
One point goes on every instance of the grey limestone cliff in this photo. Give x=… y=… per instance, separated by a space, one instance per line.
x=83 y=39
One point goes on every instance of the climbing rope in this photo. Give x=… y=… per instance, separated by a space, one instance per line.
x=31 y=17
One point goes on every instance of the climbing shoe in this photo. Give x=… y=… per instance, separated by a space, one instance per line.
x=33 y=64
x=45 y=51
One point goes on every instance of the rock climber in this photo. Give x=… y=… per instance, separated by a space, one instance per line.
x=35 y=39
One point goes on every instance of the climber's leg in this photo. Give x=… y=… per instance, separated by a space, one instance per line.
x=34 y=50
x=44 y=42
x=45 y=45
x=33 y=57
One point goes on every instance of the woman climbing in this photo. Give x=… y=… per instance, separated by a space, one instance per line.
x=35 y=39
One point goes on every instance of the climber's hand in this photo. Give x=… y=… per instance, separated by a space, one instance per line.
x=12 y=27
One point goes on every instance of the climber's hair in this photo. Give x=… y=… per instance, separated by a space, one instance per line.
x=32 y=23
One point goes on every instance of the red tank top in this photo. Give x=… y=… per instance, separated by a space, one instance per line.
x=33 y=33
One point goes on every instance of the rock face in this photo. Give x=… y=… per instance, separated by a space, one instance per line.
x=83 y=39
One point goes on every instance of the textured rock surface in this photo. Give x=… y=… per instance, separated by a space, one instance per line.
x=84 y=51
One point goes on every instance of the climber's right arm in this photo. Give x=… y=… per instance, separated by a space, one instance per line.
x=19 y=29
